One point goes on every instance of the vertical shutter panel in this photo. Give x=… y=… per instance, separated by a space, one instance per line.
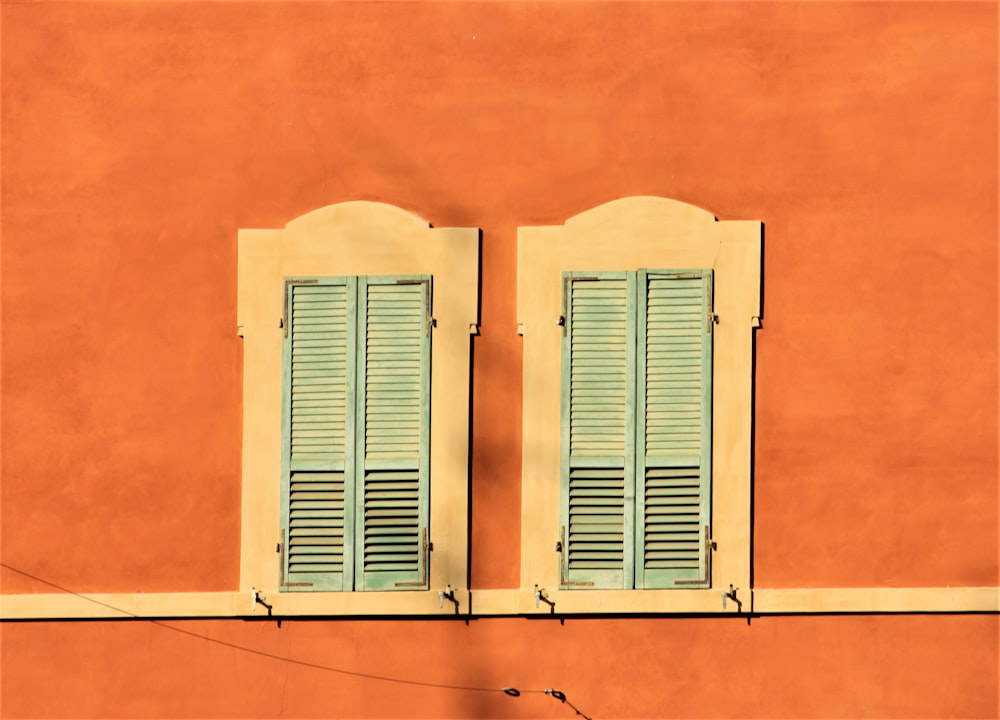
x=393 y=435
x=674 y=428
x=598 y=431
x=316 y=461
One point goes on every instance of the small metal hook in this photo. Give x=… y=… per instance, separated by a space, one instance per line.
x=731 y=595
x=448 y=594
x=259 y=599
x=542 y=597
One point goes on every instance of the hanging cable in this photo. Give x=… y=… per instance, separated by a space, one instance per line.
x=561 y=697
x=261 y=653
x=511 y=691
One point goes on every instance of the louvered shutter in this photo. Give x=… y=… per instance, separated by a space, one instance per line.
x=597 y=430
x=317 y=462
x=393 y=434
x=673 y=453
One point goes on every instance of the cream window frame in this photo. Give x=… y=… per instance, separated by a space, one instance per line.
x=357 y=238
x=628 y=234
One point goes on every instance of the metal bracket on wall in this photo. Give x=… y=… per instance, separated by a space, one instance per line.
x=731 y=595
x=448 y=594
x=259 y=599
x=543 y=597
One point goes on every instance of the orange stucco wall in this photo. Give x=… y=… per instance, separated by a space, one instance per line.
x=138 y=137
x=791 y=667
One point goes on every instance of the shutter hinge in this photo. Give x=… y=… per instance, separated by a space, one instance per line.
x=563 y=551
x=283 y=321
x=282 y=583
x=565 y=297
x=429 y=321
x=426 y=547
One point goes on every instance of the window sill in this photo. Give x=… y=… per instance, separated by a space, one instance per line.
x=503 y=602
x=227 y=604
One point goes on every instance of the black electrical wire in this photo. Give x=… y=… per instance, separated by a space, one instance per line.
x=513 y=692
x=561 y=697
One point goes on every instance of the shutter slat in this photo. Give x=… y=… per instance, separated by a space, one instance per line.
x=316 y=523
x=318 y=383
x=673 y=377
x=599 y=372
x=392 y=522
x=596 y=521
x=673 y=527
x=392 y=371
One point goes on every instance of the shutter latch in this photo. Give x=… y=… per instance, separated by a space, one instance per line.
x=706 y=579
x=564 y=582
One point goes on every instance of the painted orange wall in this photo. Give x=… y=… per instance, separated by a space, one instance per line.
x=895 y=666
x=138 y=137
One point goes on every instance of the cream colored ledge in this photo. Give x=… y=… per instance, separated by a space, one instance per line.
x=876 y=600
x=766 y=601
x=762 y=601
x=607 y=602
x=228 y=604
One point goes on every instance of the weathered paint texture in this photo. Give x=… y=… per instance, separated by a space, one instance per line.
x=137 y=138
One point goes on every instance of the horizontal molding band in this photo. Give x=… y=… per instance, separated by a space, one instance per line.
x=226 y=604
x=876 y=600
x=769 y=601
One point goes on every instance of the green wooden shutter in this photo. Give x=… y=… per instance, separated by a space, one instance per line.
x=598 y=378
x=393 y=434
x=317 y=461
x=674 y=416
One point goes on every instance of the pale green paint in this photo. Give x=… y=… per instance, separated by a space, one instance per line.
x=355 y=433
x=317 y=478
x=597 y=430
x=636 y=428
x=674 y=428
x=393 y=464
